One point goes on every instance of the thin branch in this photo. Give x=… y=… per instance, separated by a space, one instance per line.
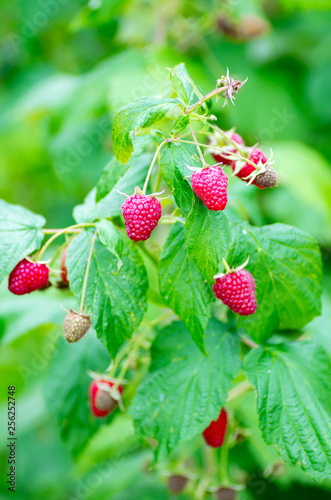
x=87 y=272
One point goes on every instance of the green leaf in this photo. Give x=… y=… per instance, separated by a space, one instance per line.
x=182 y=287
x=142 y=112
x=185 y=390
x=114 y=170
x=111 y=239
x=293 y=383
x=286 y=265
x=111 y=174
x=183 y=84
x=111 y=204
x=207 y=238
x=20 y=235
x=66 y=390
x=117 y=301
x=173 y=161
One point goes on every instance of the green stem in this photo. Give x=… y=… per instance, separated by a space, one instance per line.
x=226 y=265
x=152 y=165
x=149 y=255
x=224 y=462
x=198 y=146
x=70 y=229
x=61 y=248
x=206 y=98
x=87 y=272
x=249 y=343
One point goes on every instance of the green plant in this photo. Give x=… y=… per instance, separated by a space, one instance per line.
x=179 y=374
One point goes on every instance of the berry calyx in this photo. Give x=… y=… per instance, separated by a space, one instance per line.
x=102 y=400
x=64 y=273
x=244 y=170
x=237 y=291
x=141 y=214
x=225 y=157
x=76 y=325
x=210 y=185
x=214 y=434
x=26 y=277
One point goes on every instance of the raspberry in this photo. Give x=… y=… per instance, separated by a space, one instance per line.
x=214 y=434
x=64 y=273
x=256 y=156
x=224 y=157
x=141 y=214
x=101 y=401
x=27 y=277
x=210 y=185
x=76 y=325
x=237 y=291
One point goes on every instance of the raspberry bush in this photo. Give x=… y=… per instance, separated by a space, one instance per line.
x=191 y=305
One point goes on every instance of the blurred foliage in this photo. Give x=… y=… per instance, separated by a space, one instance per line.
x=66 y=68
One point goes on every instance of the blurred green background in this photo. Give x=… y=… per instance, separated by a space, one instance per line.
x=66 y=68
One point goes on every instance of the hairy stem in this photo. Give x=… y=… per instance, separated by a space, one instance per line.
x=70 y=229
x=198 y=146
x=206 y=98
x=87 y=272
x=152 y=165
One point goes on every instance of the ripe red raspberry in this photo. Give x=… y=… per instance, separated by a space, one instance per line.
x=101 y=401
x=27 y=277
x=215 y=433
x=256 y=156
x=224 y=157
x=210 y=185
x=141 y=214
x=64 y=273
x=237 y=291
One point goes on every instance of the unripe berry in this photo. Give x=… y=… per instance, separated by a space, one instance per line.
x=76 y=325
x=27 y=277
x=101 y=401
x=215 y=433
x=141 y=214
x=257 y=156
x=177 y=483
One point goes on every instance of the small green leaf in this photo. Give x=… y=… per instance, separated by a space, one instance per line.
x=184 y=85
x=142 y=112
x=185 y=390
x=211 y=231
x=293 y=402
x=111 y=204
x=117 y=301
x=111 y=239
x=111 y=174
x=286 y=264
x=174 y=160
x=20 y=235
x=180 y=124
x=182 y=287
x=67 y=389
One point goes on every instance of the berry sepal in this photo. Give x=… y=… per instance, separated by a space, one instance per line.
x=231 y=270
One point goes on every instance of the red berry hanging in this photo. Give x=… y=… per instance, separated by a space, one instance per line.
x=215 y=433
x=210 y=185
x=224 y=157
x=237 y=291
x=27 y=277
x=141 y=214
x=267 y=179
x=101 y=401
